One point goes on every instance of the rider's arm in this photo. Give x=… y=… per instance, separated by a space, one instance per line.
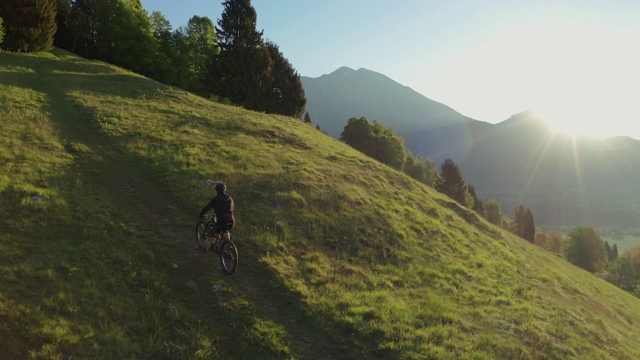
x=204 y=210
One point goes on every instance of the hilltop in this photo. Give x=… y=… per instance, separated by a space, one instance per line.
x=103 y=174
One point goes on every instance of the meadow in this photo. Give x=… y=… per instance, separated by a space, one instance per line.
x=102 y=175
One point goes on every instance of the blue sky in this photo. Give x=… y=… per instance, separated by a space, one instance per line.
x=574 y=62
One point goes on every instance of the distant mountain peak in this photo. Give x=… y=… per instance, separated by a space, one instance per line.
x=343 y=71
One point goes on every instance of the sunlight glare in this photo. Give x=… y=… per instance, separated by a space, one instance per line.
x=582 y=78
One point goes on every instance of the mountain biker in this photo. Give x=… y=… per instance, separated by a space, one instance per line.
x=223 y=205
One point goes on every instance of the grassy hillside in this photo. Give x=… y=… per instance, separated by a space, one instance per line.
x=102 y=173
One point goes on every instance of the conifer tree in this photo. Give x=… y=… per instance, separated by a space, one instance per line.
x=529 y=226
x=614 y=252
x=241 y=71
x=451 y=182
x=522 y=223
x=307 y=117
x=29 y=25
x=285 y=95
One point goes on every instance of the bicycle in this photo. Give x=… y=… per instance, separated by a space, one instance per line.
x=206 y=236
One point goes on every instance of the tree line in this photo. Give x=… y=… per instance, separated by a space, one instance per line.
x=230 y=61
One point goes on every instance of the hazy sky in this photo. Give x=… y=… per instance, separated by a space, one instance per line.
x=575 y=62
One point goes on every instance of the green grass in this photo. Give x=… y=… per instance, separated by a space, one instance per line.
x=340 y=256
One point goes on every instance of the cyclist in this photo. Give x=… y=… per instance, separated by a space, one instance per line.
x=223 y=206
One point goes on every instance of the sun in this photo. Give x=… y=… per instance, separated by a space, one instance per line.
x=582 y=78
x=582 y=81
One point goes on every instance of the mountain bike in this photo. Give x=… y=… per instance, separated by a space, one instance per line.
x=209 y=240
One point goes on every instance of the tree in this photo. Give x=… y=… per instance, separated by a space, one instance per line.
x=123 y=35
x=29 y=26
x=201 y=47
x=75 y=31
x=242 y=71
x=165 y=69
x=375 y=140
x=522 y=223
x=551 y=241
x=517 y=224
x=494 y=213
x=613 y=254
x=478 y=205
x=307 y=117
x=451 y=182
x=583 y=247
x=115 y=31
x=529 y=226
x=1 y=31
x=424 y=171
x=388 y=148
x=358 y=134
x=285 y=95
x=554 y=241
x=621 y=273
x=540 y=239
x=624 y=271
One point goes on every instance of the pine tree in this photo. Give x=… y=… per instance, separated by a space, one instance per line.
x=614 y=252
x=451 y=182
x=529 y=226
x=242 y=71
x=286 y=95
x=29 y=25
x=307 y=118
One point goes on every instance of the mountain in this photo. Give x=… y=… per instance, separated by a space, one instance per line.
x=566 y=181
x=334 y=98
x=103 y=173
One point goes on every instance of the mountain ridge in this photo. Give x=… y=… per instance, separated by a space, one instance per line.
x=500 y=159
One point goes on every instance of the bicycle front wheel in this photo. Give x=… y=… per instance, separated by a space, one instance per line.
x=228 y=257
x=202 y=235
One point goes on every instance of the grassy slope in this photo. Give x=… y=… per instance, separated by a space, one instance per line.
x=341 y=257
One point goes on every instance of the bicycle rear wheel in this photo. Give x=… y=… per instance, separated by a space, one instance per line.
x=228 y=257
x=203 y=237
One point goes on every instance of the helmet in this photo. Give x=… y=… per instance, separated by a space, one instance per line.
x=221 y=188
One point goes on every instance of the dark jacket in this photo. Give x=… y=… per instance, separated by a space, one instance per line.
x=223 y=206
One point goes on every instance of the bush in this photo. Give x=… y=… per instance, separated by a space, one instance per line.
x=584 y=248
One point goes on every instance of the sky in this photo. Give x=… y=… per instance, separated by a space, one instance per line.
x=574 y=62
